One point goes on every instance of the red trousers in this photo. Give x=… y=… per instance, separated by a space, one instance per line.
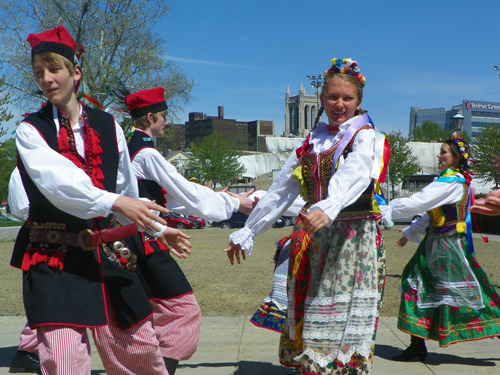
x=177 y=323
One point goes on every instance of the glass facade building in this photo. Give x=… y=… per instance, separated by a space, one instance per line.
x=475 y=115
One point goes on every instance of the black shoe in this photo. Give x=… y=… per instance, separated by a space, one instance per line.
x=24 y=362
x=410 y=353
x=171 y=365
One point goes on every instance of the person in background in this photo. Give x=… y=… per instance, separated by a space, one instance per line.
x=272 y=312
x=177 y=316
x=446 y=296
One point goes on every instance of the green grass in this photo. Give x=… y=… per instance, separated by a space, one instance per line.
x=4 y=224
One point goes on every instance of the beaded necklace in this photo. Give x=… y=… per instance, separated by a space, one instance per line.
x=67 y=148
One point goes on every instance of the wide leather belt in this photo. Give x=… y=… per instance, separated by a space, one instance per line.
x=86 y=239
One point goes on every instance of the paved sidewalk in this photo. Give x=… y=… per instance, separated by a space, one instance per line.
x=234 y=346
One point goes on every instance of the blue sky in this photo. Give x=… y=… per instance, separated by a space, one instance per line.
x=243 y=54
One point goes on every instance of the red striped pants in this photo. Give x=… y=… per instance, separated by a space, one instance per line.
x=65 y=350
x=177 y=323
x=27 y=340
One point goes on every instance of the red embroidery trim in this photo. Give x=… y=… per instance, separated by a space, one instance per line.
x=92 y=167
x=163 y=197
x=305 y=147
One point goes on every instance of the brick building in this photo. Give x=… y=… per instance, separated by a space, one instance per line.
x=244 y=136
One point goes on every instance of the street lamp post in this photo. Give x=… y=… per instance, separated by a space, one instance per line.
x=496 y=68
x=316 y=82
x=458 y=122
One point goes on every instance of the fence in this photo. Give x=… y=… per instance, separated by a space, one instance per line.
x=408 y=189
x=237 y=189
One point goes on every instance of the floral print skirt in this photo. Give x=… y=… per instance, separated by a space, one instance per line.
x=452 y=321
x=269 y=316
x=332 y=330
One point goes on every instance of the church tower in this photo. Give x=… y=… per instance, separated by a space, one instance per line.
x=300 y=113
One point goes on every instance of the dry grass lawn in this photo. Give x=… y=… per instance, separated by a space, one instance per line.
x=222 y=289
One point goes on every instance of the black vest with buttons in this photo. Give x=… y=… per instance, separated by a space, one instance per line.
x=75 y=295
x=163 y=278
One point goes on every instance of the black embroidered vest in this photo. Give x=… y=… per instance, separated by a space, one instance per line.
x=147 y=188
x=41 y=210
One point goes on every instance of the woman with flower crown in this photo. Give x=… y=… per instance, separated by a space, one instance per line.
x=337 y=269
x=446 y=296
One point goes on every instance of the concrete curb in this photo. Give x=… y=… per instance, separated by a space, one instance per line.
x=8 y=233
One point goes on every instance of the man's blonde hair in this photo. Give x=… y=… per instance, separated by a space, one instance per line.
x=55 y=57
x=143 y=122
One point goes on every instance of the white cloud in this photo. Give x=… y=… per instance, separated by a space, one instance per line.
x=204 y=62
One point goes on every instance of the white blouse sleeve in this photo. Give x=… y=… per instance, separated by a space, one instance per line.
x=294 y=208
x=17 y=198
x=197 y=199
x=280 y=196
x=352 y=179
x=67 y=187
x=432 y=196
x=416 y=229
x=126 y=182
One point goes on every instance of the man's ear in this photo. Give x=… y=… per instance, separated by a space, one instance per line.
x=78 y=73
x=151 y=118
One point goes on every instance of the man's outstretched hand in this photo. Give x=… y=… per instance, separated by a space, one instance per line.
x=176 y=242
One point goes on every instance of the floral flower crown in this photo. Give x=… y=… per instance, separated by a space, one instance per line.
x=458 y=140
x=350 y=67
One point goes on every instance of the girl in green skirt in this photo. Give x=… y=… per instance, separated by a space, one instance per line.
x=446 y=296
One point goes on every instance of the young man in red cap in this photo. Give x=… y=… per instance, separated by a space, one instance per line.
x=76 y=172
x=176 y=317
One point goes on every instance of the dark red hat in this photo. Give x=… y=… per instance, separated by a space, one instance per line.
x=143 y=102
x=56 y=40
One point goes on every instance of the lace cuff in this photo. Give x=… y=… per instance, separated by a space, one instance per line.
x=386 y=214
x=244 y=238
x=411 y=235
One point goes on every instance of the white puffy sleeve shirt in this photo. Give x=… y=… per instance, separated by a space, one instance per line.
x=17 y=198
x=292 y=210
x=344 y=188
x=196 y=199
x=67 y=187
x=432 y=196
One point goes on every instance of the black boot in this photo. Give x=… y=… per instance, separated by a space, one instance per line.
x=171 y=365
x=24 y=361
x=416 y=349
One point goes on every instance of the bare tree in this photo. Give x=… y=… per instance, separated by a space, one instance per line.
x=121 y=48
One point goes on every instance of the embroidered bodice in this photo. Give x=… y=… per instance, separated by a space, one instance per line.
x=449 y=218
x=317 y=172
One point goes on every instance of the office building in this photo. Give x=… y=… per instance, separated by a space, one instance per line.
x=469 y=116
